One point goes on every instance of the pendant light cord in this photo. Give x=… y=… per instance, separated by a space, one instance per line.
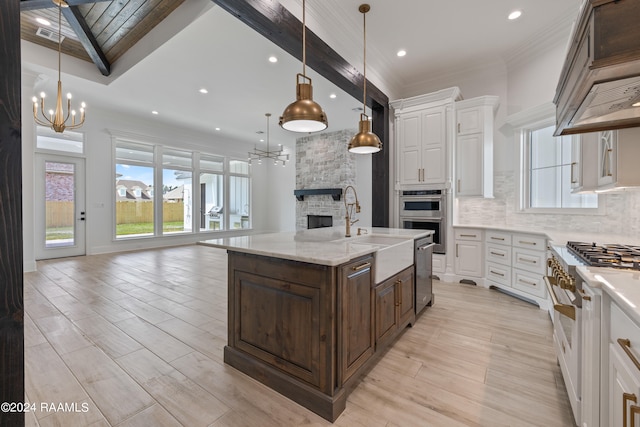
x=59 y=39
x=304 y=41
x=364 y=100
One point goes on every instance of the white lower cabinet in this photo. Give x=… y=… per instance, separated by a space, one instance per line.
x=624 y=370
x=469 y=252
x=516 y=262
x=590 y=369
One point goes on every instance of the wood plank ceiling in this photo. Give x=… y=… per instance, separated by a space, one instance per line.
x=97 y=31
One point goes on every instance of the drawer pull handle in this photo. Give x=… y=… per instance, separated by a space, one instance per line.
x=584 y=296
x=495 y=272
x=531 y=261
x=362 y=266
x=526 y=282
x=468 y=235
x=626 y=346
x=627 y=397
x=496 y=253
x=497 y=238
x=524 y=242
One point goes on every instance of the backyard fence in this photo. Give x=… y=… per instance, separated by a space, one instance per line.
x=60 y=214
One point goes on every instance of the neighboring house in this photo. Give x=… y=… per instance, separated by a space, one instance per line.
x=131 y=190
x=175 y=195
x=59 y=182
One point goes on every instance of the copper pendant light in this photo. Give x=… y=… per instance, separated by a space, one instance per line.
x=304 y=114
x=57 y=119
x=365 y=141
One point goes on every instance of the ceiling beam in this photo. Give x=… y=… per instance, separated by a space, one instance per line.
x=79 y=25
x=43 y=4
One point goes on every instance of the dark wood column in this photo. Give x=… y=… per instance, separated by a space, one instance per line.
x=11 y=257
x=277 y=24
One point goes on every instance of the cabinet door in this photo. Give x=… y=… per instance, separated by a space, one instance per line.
x=434 y=146
x=624 y=389
x=469 y=164
x=576 y=162
x=406 y=296
x=607 y=157
x=409 y=137
x=386 y=320
x=469 y=121
x=590 y=358
x=468 y=260
x=356 y=315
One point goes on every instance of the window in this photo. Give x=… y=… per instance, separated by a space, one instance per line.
x=134 y=211
x=239 y=194
x=177 y=191
x=68 y=142
x=212 y=193
x=196 y=189
x=547 y=183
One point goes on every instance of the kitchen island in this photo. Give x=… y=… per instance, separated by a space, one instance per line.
x=308 y=311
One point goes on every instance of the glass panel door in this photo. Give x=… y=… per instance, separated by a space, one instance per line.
x=60 y=206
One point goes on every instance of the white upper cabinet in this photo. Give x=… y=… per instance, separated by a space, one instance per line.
x=609 y=159
x=474 y=147
x=421 y=128
x=423 y=148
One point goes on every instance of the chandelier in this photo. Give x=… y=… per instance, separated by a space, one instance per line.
x=275 y=155
x=365 y=141
x=57 y=119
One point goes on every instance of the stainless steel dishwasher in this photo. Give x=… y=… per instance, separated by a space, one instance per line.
x=424 y=265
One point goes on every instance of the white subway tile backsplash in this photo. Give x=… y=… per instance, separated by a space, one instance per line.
x=622 y=212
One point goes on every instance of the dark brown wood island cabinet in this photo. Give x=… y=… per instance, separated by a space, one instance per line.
x=309 y=330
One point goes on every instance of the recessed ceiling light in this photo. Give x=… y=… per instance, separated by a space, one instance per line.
x=217 y=128
x=203 y=90
x=332 y=96
x=515 y=15
x=43 y=21
x=401 y=53
x=154 y=112
x=273 y=59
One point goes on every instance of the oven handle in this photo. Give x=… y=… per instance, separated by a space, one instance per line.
x=425 y=247
x=564 y=309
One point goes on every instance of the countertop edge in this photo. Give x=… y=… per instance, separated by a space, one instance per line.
x=622 y=286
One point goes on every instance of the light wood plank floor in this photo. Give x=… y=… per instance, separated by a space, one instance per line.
x=136 y=339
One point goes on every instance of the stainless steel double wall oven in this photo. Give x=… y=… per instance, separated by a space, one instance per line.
x=425 y=210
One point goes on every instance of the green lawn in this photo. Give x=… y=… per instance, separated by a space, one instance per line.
x=147 y=228
x=59 y=233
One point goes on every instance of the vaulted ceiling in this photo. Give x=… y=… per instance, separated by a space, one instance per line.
x=193 y=44
x=100 y=31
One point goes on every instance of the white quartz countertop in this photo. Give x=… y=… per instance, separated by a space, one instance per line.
x=623 y=286
x=325 y=246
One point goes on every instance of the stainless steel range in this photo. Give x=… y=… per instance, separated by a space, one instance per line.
x=565 y=289
x=611 y=255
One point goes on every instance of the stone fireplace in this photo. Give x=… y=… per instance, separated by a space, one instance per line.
x=322 y=161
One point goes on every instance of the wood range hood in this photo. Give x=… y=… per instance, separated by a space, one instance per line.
x=600 y=80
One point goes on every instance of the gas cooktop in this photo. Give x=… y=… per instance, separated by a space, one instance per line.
x=612 y=255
